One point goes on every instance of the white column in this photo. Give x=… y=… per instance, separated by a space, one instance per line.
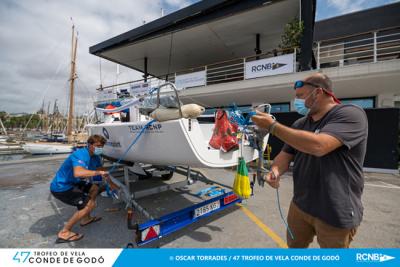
x=244 y=68
x=318 y=52
x=375 y=48
x=385 y=101
x=292 y=105
x=397 y=101
x=205 y=69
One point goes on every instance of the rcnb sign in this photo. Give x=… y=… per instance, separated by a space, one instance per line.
x=269 y=66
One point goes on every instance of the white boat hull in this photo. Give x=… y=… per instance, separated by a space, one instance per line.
x=43 y=149
x=9 y=147
x=180 y=142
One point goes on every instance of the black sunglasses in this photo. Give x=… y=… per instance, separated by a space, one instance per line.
x=299 y=84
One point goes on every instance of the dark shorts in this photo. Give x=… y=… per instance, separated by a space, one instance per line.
x=76 y=196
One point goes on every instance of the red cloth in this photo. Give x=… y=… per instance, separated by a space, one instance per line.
x=224 y=134
x=109 y=106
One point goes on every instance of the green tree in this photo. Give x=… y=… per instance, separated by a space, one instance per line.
x=292 y=34
x=3 y=115
x=21 y=121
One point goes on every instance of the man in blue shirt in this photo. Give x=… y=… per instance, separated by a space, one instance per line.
x=71 y=185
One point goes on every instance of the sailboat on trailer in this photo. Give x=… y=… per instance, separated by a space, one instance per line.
x=174 y=142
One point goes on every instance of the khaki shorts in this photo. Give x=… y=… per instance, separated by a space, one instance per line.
x=304 y=227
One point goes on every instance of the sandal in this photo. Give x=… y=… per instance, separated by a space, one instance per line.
x=69 y=239
x=92 y=220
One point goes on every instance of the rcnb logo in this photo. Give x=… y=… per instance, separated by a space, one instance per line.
x=373 y=257
x=267 y=67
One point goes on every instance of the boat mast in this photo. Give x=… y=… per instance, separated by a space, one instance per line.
x=72 y=79
x=46 y=127
x=2 y=127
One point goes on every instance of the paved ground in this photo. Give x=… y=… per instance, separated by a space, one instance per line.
x=30 y=217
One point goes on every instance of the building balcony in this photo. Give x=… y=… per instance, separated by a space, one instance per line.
x=365 y=65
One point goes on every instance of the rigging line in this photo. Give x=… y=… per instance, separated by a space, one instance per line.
x=53 y=48
x=91 y=96
x=44 y=94
x=91 y=99
x=54 y=78
x=115 y=164
x=170 y=53
x=66 y=97
x=89 y=105
x=281 y=214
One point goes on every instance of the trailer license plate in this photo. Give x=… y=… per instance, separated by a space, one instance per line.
x=206 y=209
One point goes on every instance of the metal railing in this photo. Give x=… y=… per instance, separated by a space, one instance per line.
x=227 y=71
x=221 y=72
x=364 y=48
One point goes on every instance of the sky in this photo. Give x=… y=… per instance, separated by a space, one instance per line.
x=35 y=38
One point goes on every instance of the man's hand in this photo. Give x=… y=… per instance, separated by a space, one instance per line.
x=103 y=173
x=107 y=178
x=262 y=120
x=272 y=180
x=112 y=185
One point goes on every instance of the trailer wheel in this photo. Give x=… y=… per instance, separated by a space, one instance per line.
x=130 y=245
x=167 y=176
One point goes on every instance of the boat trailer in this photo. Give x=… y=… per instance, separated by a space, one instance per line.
x=155 y=228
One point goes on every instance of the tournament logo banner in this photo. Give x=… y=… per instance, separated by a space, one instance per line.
x=200 y=257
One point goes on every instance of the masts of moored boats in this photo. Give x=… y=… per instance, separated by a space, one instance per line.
x=72 y=79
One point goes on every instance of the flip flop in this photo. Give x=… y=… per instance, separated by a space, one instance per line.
x=69 y=239
x=94 y=219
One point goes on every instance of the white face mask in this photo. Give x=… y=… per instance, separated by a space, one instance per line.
x=300 y=105
x=98 y=151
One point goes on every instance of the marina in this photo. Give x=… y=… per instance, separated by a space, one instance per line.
x=227 y=124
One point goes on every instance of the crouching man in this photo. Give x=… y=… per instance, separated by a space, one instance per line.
x=71 y=185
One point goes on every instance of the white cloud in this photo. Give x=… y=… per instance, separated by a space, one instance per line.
x=35 y=39
x=177 y=3
x=347 y=6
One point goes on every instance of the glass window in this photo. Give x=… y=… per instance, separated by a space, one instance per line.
x=209 y=111
x=244 y=109
x=280 y=107
x=275 y=108
x=361 y=102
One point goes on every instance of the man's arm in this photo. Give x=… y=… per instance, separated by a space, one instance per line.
x=80 y=172
x=108 y=178
x=281 y=163
x=278 y=168
x=304 y=141
x=307 y=142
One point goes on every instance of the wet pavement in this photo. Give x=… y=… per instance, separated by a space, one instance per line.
x=31 y=217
